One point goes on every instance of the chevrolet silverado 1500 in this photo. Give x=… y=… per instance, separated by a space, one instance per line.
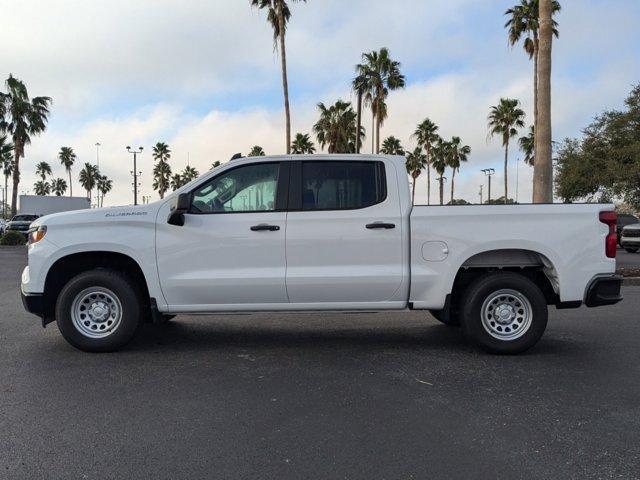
x=318 y=233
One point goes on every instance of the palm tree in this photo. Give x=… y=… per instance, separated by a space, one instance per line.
x=415 y=164
x=104 y=185
x=302 y=144
x=278 y=15
x=360 y=85
x=6 y=163
x=383 y=75
x=542 y=168
x=258 y=151
x=67 y=158
x=504 y=120
x=527 y=146
x=43 y=169
x=88 y=178
x=41 y=188
x=22 y=118
x=391 y=146
x=458 y=153
x=524 y=22
x=189 y=173
x=440 y=162
x=215 y=164
x=336 y=127
x=426 y=136
x=162 y=169
x=59 y=186
x=176 y=181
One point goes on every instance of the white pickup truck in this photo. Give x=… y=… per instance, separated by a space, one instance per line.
x=311 y=233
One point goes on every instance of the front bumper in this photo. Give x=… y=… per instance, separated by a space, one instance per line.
x=630 y=241
x=33 y=303
x=603 y=290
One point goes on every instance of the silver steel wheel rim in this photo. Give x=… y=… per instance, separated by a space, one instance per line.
x=506 y=314
x=96 y=312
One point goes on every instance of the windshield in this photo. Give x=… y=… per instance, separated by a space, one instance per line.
x=24 y=218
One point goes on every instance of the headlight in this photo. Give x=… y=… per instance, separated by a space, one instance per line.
x=36 y=234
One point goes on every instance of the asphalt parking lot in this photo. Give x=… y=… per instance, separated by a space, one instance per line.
x=367 y=396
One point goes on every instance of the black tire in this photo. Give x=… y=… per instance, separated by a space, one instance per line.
x=126 y=293
x=483 y=289
x=631 y=249
x=446 y=317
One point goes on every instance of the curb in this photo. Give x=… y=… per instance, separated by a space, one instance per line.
x=631 y=281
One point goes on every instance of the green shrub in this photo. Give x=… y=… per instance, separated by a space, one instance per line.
x=12 y=238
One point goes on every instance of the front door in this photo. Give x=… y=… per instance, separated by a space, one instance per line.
x=344 y=235
x=231 y=249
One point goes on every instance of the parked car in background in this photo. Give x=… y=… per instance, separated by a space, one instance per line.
x=630 y=239
x=317 y=233
x=624 y=219
x=20 y=223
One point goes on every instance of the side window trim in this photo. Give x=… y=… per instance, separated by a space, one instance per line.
x=281 y=196
x=296 y=187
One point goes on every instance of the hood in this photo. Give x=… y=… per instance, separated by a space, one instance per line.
x=101 y=215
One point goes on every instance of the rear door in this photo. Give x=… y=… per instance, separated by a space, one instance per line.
x=344 y=234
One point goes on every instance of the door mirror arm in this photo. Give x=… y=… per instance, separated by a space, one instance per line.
x=179 y=207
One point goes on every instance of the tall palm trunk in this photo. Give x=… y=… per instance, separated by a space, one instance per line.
x=377 y=135
x=70 y=185
x=16 y=176
x=535 y=97
x=506 y=160
x=542 y=169
x=285 y=83
x=6 y=195
x=441 y=190
x=453 y=178
x=359 y=122
x=373 y=130
x=413 y=191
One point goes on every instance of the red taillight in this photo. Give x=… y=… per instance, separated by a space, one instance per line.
x=610 y=244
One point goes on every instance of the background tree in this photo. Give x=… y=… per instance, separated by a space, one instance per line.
x=67 y=158
x=215 y=164
x=302 y=144
x=278 y=15
x=542 y=168
x=605 y=163
x=41 y=188
x=383 y=75
x=88 y=178
x=440 y=162
x=22 y=119
x=415 y=164
x=458 y=154
x=177 y=181
x=58 y=186
x=523 y=23
x=162 y=169
x=527 y=145
x=392 y=146
x=504 y=120
x=257 y=151
x=104 y=185
x=43 y=169
x=336 y=127
x=426 y=135
x=189 y=173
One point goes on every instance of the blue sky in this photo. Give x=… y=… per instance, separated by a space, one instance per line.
x=202 y=75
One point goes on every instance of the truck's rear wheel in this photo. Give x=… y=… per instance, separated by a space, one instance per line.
x=99 y=311
x=504 y=313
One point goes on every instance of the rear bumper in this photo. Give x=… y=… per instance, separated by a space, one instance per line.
x=603 y=290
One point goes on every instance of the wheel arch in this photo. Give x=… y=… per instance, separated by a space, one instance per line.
x=68 y=266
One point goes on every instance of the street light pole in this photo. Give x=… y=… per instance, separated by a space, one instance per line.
x=489 y=172
x=135 y=172
x=481 y=194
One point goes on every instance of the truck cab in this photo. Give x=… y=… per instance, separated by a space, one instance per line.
x=317 y=233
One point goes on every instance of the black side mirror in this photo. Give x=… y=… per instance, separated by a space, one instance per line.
x=179 y=207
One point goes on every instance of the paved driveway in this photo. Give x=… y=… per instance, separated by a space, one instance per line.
x=394 y=396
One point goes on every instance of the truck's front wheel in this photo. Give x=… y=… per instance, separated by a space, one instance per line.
x=99 y=311
x=504 y=313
